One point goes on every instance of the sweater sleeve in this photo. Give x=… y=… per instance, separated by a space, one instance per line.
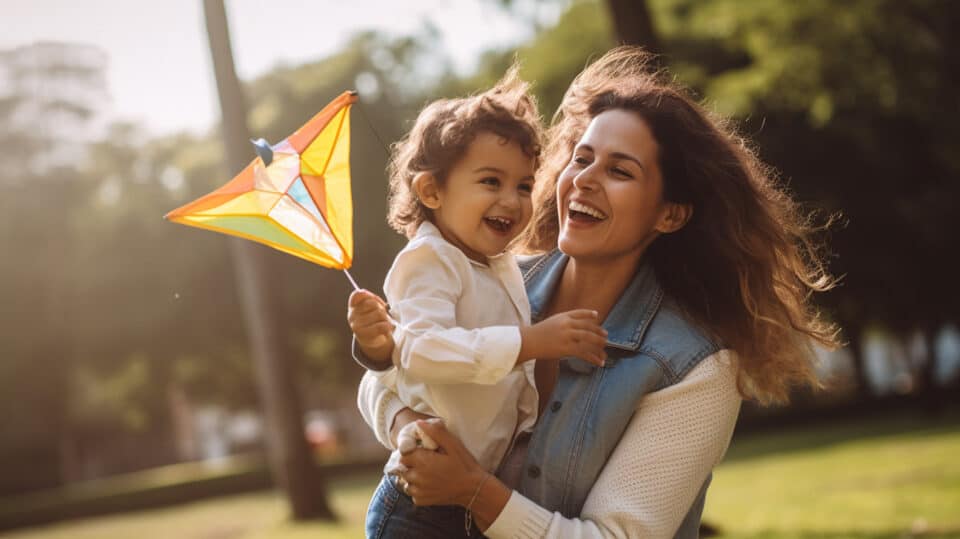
x=423 y=288
x=379 y=403
x=673 y=441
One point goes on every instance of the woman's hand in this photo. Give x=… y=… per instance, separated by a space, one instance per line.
x=448 y=476
x=371 y=325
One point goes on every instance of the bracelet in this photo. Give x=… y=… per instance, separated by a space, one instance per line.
x=468 y=515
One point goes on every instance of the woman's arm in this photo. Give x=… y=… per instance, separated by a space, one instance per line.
x=649 y=483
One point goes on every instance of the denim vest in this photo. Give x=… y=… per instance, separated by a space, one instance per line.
x=649 y=346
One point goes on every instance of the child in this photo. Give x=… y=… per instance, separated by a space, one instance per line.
x=460 y=189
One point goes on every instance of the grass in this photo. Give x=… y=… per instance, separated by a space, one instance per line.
x=886 y=478
x=260 y=515
x=892 y=477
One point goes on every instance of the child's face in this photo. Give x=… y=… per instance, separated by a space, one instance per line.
x=485 y=202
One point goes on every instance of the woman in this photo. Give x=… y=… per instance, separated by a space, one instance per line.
x=655 y=215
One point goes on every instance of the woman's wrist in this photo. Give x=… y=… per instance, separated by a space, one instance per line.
x=471 y=487
x=491 y=498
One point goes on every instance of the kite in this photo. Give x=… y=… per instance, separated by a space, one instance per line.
x=294 y=196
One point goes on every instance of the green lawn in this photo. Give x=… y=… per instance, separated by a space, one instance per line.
x=890 y=478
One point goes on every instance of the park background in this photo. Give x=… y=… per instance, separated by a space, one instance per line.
x=131 y=402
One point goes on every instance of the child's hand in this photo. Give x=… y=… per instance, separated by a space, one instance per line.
x=411 y=437
x=573 y=333
x=371 y=325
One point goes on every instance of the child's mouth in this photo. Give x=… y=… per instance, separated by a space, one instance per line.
x=500 y=225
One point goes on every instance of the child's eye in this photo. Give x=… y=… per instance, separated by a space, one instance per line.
x=490 y=180
x=525 y=188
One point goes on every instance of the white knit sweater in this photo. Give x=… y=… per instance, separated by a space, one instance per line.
x=673 y=441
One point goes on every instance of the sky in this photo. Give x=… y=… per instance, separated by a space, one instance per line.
x=159 y=71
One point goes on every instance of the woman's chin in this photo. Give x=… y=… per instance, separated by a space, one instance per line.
x=575 y=246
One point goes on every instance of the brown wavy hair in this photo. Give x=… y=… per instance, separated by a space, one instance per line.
x=444 y=130
x=746 y=263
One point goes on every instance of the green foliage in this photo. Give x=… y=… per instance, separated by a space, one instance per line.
x=856 y=104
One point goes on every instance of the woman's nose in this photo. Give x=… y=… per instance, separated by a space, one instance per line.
x=585 y=180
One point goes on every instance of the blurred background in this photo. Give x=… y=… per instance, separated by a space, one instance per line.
x=131 y=402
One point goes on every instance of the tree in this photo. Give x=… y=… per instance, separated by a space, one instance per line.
x=633 y=24
x=290 y=460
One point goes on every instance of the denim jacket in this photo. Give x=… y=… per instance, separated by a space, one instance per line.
x=649 y=346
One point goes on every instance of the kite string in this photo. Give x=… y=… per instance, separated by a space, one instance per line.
x=375 y=133
x=353 y=282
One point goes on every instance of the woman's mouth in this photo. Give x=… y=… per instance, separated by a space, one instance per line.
x=500 y=225
x=581 y=213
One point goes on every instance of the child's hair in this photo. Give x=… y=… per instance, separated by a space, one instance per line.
x=443 y=132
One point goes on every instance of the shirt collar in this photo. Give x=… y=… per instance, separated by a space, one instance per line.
x=428 y=229
x=630 y=316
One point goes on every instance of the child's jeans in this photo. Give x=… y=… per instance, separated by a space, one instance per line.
x=392 y=515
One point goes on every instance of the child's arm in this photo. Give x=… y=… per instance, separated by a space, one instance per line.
x=573 y=333
x=424 y=288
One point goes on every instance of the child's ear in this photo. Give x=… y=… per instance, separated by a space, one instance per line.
x=425 y=186
x=674 y=217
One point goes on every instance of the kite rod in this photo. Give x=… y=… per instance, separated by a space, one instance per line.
x=354 y=283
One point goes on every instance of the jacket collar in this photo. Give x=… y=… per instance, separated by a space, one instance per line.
x=630 y=316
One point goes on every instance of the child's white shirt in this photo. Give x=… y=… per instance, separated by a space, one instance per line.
x=457 y=341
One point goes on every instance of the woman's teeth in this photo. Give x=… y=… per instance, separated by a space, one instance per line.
x=583 y=208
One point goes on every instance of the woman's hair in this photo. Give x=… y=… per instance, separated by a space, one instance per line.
x=745 y=264
x=442 y=133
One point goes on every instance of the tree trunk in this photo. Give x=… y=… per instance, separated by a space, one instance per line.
x=291 y=462
x=633 y=24
x=854 y=333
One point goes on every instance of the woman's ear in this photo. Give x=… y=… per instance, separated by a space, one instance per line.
x=425 y=186
x=674 y=217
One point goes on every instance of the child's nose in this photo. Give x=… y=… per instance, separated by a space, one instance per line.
x=510 y=200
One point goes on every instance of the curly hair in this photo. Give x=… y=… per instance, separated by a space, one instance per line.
x=746 y=263
x=442 y=134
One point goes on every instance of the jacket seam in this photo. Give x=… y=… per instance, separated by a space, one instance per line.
x=695 y=359
x=648 y=316
x=595 y=383
x=536 y=266
x=662 y=362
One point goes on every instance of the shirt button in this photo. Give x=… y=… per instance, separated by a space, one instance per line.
x=555 y=406
x=533 y=471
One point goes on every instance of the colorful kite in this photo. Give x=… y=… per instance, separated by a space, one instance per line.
x=294 y=197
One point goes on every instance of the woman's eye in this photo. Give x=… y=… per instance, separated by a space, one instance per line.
x=580 y=160
x=621 y=172
x=490 y=181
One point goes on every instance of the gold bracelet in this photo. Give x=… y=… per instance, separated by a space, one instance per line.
x=468 y=515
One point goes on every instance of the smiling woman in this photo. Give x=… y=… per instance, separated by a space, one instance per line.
x=610 y=195
x=652 y=214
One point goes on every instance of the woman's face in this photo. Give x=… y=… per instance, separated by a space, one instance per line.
x=610 y=195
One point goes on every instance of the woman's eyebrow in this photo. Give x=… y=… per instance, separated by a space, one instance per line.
x=628 y=157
